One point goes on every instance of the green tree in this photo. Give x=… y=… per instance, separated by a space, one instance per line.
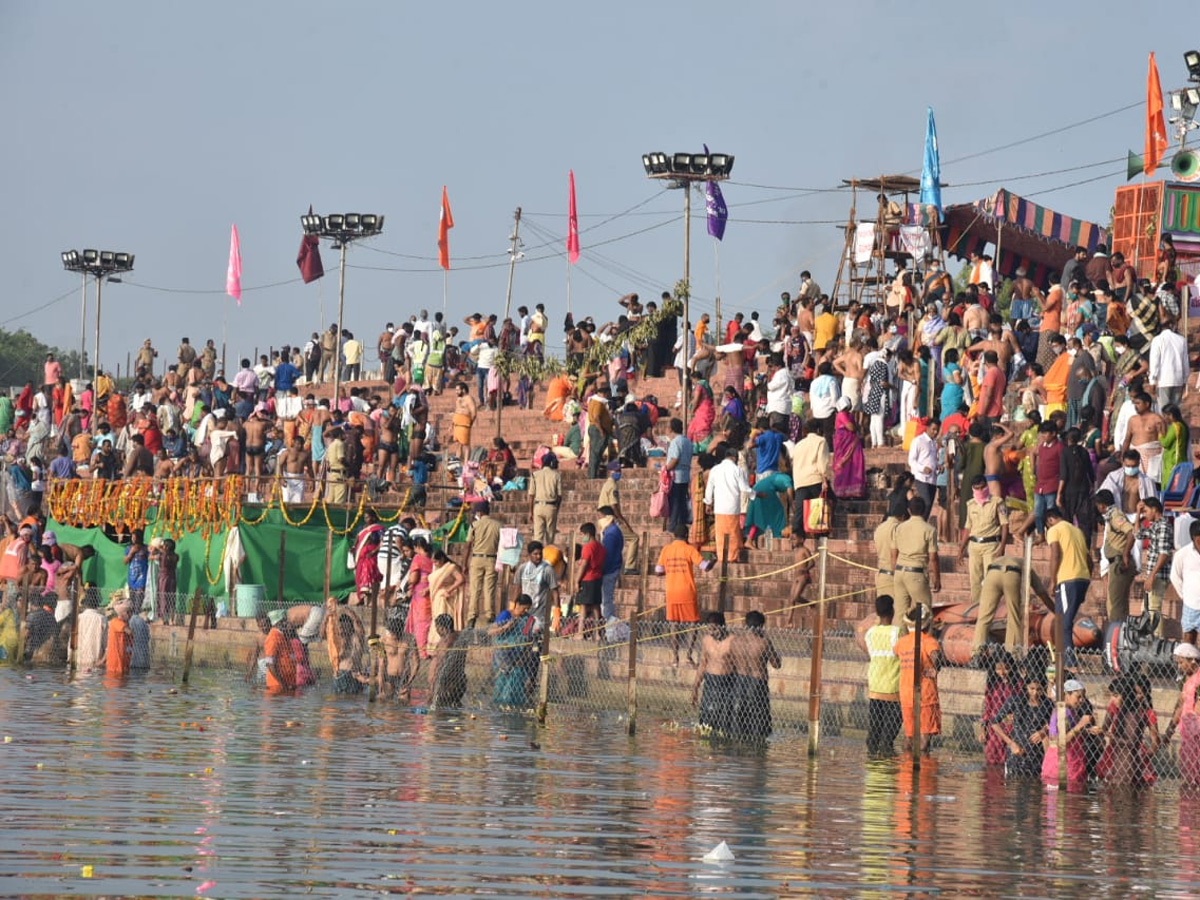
x=22 y=356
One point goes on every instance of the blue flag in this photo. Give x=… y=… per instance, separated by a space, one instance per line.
x=714 y=207
x=931 y=172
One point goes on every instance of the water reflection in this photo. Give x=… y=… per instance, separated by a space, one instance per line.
x=226 y=792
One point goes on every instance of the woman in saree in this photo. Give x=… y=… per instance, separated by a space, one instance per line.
x=446 y=583
x=733 y=410
x=849 y=464
x=420 y=609
x=515 y=664
x=1175 y=440
x=366 y=557
x=703 y=415
x=766 y=511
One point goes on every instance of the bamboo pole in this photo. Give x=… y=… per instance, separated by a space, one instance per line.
x=187 y=652
x=918 y=674
x=723 y=584
x=631 y=716
x=818 y=650
x=1026 y=589
x=72 y=663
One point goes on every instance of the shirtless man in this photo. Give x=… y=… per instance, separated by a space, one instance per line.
x=420 y=414
x=751 y=652
x=805 y=320
x=465 y=411
x=849 y=364
x=993 y=459
x=388 y=458
x=447 y=668
x=975 y=320
x=715 y=672
x=163 y=466
x=255 y=430
x=1024 y=295
x=395 y=660
x=803 y=576
x=1144 y=434
x=296 y=468
x=1003 y=342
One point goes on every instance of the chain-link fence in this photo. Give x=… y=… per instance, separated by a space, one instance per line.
x=1120 y=708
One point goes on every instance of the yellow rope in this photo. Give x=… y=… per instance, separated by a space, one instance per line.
x=851 y=562
x=794 y=565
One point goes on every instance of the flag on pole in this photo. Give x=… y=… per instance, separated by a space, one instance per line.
x=572 y=224
x=233 y=275
x=931 y=171
x=445 y=223
x=309 y=257
x=715 y=209
x=1156 y=126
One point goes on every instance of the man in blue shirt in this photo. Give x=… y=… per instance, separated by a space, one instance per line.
x=614 y=552
x=679 y=464
x=285 y=376
x=767 y=443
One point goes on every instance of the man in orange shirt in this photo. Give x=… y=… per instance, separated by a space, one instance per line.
x=677 y=561
x=277 y=654
x=1052 y=309
x=1057 y=374
x=120 y=640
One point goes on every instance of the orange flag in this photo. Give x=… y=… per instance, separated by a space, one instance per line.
x=1156 y=125
x=445 y=223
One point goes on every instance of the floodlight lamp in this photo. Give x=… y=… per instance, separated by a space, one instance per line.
x=335 y=222
x=1191 y=98
x=681 y=162
x=647 y=164
x=662 y=162
x=720 y=164
x=378 y=224
x=70 y=259
x=353 y=221
x=124 y=261
x=1191 y=59
x=311 y=224
x=370 y=223
x=91 y=257
x=107 y=258
x=700 y=164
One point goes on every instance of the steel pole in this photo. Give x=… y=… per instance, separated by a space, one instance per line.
x=96 y=361
x=83 y=330
x=337 y=350
x=684 y=382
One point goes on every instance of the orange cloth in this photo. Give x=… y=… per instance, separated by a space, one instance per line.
x=732 y=526
x=1156 y=127
x=1052 y=310
x=277 y=646
x=1055 y=381
x=557 y=392
x=678 y=560
x=931 y=707
x=120 y=647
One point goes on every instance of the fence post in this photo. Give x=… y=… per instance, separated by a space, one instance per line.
x=1026 y=588
x=187 y=652
x=328 y=562
x=918 y=674
x=723 y=584
x=282 y=552
x=1060 y=702
x=818 y=650
x=22 y=624
x=544 y=673
x=71 y=664
x=635 y=621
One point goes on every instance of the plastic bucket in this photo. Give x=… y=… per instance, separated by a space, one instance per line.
x=248 y=600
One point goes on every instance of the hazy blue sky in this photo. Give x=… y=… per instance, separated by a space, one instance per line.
x=150 y=127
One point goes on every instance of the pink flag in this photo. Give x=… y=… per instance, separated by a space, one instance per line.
x=233 y=276
x=572 y=225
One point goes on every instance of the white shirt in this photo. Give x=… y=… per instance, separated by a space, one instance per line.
x=726 y=485
x=421 y=325
x=1185 y=576
x=922 y=454
x=779 y=393
x=487 y=356
x=823 y=396
x=1169 y=359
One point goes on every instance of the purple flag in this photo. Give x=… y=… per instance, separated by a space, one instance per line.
x=714 y=207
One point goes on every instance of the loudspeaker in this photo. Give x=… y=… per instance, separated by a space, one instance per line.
x=1185 y=165
x=1134 y=164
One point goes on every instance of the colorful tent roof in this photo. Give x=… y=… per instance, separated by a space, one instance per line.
x=1028 y=236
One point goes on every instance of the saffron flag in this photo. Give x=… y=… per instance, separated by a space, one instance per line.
x=445 y=223
x=233 y=275
x=572 y=224
x=931 y=171
x=309 y=257
x=1156 y=126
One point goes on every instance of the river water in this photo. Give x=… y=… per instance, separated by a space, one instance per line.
x=220 y=791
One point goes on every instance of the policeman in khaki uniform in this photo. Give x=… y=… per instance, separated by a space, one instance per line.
x=915 y=561
x=483 y=544
x=1003 y=578
x=545 y=495
x=984 y=532
x=885 y=535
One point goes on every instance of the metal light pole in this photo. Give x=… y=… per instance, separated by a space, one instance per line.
x=100 y=264
x=682 y=170
x=96 y=361
x=341 y=229
x=83 y=328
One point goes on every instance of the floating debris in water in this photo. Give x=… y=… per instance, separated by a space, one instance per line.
x=719 y=854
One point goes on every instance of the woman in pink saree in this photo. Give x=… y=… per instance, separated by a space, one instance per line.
x=849 y=465
x=420 y=610
x=366 y=554
x=703 y=415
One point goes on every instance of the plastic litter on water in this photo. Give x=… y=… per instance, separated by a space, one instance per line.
x=719 y=854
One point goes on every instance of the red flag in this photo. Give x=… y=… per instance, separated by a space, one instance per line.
x=1156 y=126
x=572 y=225
x=445 y=223
x=309 y=258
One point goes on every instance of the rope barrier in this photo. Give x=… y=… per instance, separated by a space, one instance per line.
x=851 y=562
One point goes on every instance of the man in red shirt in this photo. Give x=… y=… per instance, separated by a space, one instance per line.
x=991 y=390
x=590 y=580
x=1046 y=458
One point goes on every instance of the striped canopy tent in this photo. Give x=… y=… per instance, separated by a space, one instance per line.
x=1024 y=234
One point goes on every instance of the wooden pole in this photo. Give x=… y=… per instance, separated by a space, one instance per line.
x=72 y=662
x=723 y=584
x=187 y=652
x=1060 y=701
x=918 y=674
x=1026 y=589
x=282 y=557
x=818 y=650
x=22 y=623
x=373 y=643
x=635 y=621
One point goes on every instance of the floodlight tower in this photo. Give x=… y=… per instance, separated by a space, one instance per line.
x=102 y=264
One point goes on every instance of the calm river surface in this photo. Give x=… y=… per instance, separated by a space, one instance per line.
x=132 y=791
